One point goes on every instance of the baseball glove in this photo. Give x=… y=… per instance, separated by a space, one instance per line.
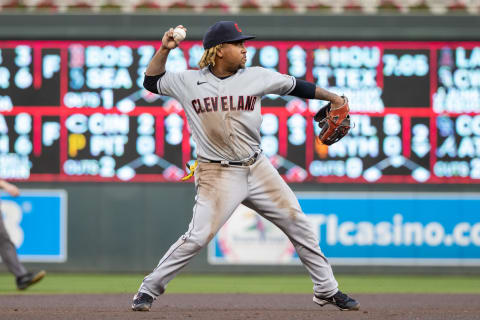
x=334 y=124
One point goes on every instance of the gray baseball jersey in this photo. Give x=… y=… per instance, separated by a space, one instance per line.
x=224 y=114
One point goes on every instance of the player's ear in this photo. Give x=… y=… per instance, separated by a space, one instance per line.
x=220 y=52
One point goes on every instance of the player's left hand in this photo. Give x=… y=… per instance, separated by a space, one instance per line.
x=334 y=122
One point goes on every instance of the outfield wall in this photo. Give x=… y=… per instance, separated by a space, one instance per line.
x=126 y=227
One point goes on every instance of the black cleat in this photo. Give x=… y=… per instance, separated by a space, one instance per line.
x=25 y=281
x=142 y=302
x=340 y=300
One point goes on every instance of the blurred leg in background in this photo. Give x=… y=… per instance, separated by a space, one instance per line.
x=8 y=252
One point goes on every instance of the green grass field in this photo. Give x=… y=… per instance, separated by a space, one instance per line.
x=60 y=283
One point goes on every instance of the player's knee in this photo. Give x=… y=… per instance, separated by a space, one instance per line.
x=293 y=214
x=197 y=243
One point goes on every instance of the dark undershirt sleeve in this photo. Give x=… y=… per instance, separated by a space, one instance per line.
x=150 y=82
x=303 y=89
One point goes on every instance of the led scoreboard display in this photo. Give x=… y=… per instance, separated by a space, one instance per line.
x=77 y=111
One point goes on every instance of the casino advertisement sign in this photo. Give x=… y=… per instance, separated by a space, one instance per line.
x=362 y=229
x=77 y=111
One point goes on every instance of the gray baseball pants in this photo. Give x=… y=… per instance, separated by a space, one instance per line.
x=220 y=190
x=8 y=252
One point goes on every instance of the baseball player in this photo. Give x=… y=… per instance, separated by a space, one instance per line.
x=24 y=279
x=222 y=105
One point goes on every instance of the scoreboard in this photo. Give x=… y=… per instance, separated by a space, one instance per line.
x=77 y=111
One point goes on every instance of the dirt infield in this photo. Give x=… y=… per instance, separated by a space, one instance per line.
x=239 y=306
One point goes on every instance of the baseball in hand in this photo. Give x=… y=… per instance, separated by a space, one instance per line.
x=179 y=34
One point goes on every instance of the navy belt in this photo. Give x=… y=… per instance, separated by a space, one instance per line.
x=244 y=163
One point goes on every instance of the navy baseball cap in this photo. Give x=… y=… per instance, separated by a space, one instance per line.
x=222 y=32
